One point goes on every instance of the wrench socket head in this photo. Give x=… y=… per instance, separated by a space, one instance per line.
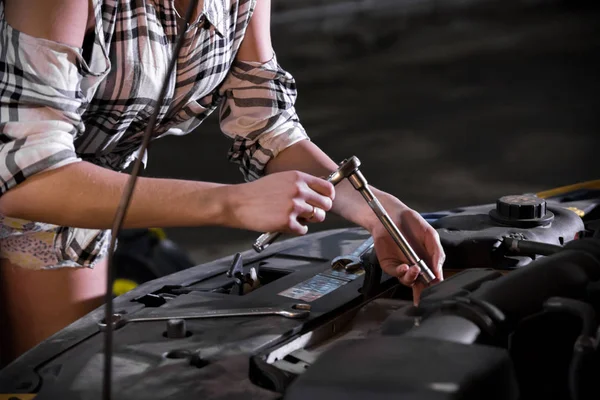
x=347 y=167
x=357 y=179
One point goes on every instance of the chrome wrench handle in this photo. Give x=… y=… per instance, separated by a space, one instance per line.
x=296 y=311
x=265 y=240
x=234 y=312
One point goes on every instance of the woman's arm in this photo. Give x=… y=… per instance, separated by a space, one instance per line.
x=84 y=195
x=41 y=178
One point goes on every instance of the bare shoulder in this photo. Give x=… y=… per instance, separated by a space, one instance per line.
x=63 y=21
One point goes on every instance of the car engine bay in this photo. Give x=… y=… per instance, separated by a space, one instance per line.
x=514 y=318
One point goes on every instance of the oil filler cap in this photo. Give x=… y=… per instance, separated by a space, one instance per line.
x=523 y=211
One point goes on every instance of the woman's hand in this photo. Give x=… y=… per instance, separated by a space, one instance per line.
x=279 y=202
x=422 y=238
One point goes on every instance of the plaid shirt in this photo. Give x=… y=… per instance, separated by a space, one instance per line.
x=60 y=104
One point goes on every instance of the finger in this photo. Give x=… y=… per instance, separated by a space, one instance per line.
x=392 y=268
x=295 y=223
x=417 y=290
x=315 y=214
x=321 y=186
x=433 y=246
x=316 y=199
x=400 y=271
x=302 y=210
x=295 y=226
x=318 y=216
x=410 y=276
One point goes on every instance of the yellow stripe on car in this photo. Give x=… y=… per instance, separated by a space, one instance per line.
x=592 y=185
x=121 y=286
x=577 y=211
x=158 y=232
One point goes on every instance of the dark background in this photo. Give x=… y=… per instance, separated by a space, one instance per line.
x=447 y=103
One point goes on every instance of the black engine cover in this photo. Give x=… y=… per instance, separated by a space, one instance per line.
x=473 y=239
x=408 y=368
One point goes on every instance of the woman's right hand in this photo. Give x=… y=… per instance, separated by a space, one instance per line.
x=279 y=202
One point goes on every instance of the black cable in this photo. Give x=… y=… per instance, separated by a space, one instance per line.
x=575 y=369
x=584 y=311
x=124 y=205
x=585 y=343
x=530 y=247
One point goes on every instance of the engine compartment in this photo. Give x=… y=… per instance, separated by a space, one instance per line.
x=510 y=321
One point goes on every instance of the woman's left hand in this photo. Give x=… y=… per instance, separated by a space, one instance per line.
x=423 y=238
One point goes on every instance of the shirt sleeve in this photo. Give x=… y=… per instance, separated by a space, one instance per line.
x=258 y=113
x=40 y=105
